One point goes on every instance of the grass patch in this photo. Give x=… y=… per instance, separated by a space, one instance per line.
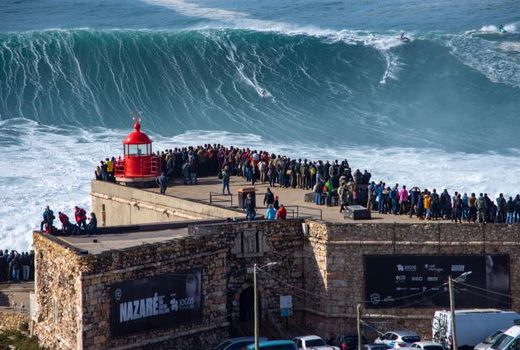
x=18 y=341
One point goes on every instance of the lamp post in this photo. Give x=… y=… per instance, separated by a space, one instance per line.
x=452 y=308
x=255 y=289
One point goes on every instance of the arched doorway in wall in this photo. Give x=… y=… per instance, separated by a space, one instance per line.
x=246 y=306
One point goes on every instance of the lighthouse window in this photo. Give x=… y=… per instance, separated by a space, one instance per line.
x=138 y=150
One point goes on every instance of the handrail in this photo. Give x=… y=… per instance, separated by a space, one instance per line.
x=217 y=194
x=302 y=211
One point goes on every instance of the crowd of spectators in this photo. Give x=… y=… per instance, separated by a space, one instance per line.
x=16 y=267
x=333 y=183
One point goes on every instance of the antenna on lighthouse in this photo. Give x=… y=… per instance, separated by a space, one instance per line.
x=136 y=116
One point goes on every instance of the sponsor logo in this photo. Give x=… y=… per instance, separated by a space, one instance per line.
x=417 y=278
x=457 y=268
x=375 y=298
x=432 y=278
x=406 y=268
x=153 y=306
x=118 y=293
x=400 y=278
x=433 y=268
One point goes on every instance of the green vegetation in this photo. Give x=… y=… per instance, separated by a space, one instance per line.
x=17 y=340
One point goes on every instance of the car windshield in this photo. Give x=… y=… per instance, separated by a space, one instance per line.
x=411 y=339
x=492 y=337
x=502 y=342
x=315 y=342
x=433 y=347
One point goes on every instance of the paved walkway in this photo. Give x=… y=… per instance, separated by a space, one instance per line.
x=293 y=199
x=101 y=243
x=15 y=296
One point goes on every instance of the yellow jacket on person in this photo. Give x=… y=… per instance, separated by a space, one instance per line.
x=427 y=202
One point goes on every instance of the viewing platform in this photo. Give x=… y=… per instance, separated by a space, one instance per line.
x=291 y=198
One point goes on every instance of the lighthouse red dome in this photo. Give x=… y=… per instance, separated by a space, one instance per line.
x=137 y=137
x=139 y=164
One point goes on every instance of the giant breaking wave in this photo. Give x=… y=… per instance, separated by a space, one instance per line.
x=348 y=88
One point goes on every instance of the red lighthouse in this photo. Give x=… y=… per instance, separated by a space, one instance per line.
x=139 y=165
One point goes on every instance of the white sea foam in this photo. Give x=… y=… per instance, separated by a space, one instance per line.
x=240 y=20
x=509 y=28
x=42 y=165
x=490 y=58
x=510 y=46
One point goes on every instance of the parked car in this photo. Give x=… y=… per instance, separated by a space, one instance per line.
x=312 y=342
x=427 y=345
x=510 y=339
x=490 y=339
x=274 y=345
x=398 y=339
x=236 y=343
x=347 y=341
x=376 y=347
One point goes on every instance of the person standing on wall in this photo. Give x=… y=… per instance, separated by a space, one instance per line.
x=268 y=198
x=48 y=218
x=225 y=175
x=250 y=207
x=162 y=181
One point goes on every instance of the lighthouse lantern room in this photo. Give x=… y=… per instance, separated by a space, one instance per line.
x=139 y=165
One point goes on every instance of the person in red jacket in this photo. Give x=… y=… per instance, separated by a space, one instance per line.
x=281 y=213
x=81 y=217
x=66 y=226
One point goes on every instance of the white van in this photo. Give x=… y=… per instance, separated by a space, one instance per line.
x=472 y=325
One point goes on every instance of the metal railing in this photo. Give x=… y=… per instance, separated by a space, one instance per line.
x=298 y=211
x=216 y=197
x=119 y=169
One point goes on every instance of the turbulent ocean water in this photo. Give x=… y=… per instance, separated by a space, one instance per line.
x=324 y=80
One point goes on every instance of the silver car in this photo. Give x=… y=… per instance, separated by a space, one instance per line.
x=398 y=339
x=490 y=339
x=427 y=345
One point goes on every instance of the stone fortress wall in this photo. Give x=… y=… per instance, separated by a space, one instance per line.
x=340 y=248
x=72 y=287
x=73 y=303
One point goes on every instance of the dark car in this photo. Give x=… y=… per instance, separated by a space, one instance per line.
x=347 y=341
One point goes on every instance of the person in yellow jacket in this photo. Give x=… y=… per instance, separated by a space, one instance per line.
x=427 y=204
x=110 y=169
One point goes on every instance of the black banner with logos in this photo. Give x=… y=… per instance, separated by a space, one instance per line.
x=156 y=302
x=421 y=281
